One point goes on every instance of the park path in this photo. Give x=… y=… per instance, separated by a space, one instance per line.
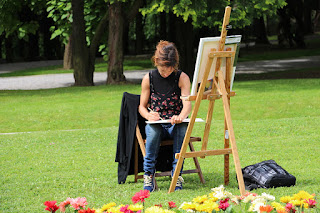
x=66 y=80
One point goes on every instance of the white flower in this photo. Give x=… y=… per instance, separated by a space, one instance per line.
x=248 y=199
x=251 y=208
x=267 y=196
x=229 y=194
x=257 y=207
x=220 y=188
x=258 y=200
x=219 y=192
x=235 y=200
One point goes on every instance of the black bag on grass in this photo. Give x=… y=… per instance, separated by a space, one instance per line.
x=266 y=174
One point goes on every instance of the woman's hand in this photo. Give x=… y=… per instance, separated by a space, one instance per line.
x=153 y=116
x=176 y=119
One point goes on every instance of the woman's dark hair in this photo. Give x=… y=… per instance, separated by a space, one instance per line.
x=166 y=54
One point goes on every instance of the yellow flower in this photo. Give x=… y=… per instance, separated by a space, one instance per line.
x=285 y=199
x=297 y=202
x=277 y=206
x=302 y=195
x=108 y=206
x=154 y=209
x=208 y=207
x=203 y=208
x=115 y=209
x=98 y=211
x=200 y=199
x=211 y=195
x=188 y=206
x=135 y=207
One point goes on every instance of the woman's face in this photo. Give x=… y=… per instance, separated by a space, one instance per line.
x=165 y=71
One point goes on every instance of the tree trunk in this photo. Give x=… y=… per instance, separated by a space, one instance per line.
x=307 y=20
x=299 y=32
x=9 y=49
x=125 y=38
x=96 y=41
x=33 y=47
x=284 y=27
x=67 y=57
x=260 y=31
x=139 y=34
x=1 y=41
x=163 y=26
x=172 y=27
x=82 y=74
x=184 y=43
x=115 y=43
x=117 y=21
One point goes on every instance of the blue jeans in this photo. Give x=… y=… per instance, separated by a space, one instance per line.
x=155 y=134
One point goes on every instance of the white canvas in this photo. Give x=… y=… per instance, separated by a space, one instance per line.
x=205 y=46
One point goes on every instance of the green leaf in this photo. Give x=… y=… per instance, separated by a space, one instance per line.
x=67 y=7
x=64 y=16
x=49 y=8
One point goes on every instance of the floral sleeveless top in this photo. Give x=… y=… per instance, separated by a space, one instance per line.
x=167 y=103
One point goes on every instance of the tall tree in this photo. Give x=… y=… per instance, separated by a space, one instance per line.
x=82 y=74
x=89 y=21
x=120 y=14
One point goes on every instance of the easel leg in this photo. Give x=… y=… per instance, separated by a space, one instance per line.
x=196 y=163
x=136 y=161
x=231 y=133
x=208 y=125
x=226 y=156
x=226 y=131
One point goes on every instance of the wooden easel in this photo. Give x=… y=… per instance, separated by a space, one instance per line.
x=220 y=89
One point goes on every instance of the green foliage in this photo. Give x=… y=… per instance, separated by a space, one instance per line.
x=11 y=21
x=210 y=13
x=245 y=10
x=61 y=13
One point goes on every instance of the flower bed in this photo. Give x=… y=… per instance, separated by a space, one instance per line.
x=219 y=200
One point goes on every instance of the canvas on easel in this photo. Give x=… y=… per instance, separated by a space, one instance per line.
x=205 y=46
x=216 y=64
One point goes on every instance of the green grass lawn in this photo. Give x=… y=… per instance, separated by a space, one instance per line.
x=60 y=143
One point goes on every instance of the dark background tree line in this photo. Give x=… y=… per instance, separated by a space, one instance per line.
x=78 y=31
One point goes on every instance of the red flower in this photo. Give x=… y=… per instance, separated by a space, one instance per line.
x=65 y=204
x=159 y=205
x=172 y=204
x=125 y=209
x=140 y=196
x=224 y=204
x=311 y=203
x=51 y=206
x=79 y=202
x=86 y=211
x=290 y=208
